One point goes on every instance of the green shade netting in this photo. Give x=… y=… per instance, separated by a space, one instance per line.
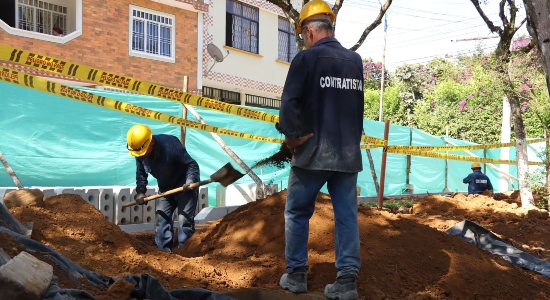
x=54 y=141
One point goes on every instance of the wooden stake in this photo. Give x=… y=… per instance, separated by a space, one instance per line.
x=10 y=171
x=184 y=112
x=383 y=168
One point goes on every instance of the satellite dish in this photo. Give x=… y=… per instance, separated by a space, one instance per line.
x=216 y=54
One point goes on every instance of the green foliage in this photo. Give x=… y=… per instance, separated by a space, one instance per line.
x=392 y=106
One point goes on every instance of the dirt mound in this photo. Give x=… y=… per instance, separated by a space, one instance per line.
x=404 y=256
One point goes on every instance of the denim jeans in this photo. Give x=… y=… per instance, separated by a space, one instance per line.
x=186 y=203
x=303 y=187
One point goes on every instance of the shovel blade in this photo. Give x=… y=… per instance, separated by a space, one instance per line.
x=226 y=175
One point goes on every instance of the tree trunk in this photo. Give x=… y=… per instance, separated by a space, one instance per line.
x=538 y=25
x=521 y=152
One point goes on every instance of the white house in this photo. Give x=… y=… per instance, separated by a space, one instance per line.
x=258 y=44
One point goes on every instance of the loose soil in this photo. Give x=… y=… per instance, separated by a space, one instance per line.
x=405 y=256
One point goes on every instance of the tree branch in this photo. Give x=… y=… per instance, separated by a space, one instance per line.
x=288 y=9
x=336 y=7
x=373 y=25
x=520 y=24
x=490 y=24
x=501 y=13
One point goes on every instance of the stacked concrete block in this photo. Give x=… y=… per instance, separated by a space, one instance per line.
x=122 y=214
x=77 y=191
x=149 y=207
x=91 y=195
x=107 y=204
x=136 y=211
x=203 y=199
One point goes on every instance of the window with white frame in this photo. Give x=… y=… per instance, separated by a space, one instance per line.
x=152 y=34
x=242 y=26
x=41 y=16
x=287 y=41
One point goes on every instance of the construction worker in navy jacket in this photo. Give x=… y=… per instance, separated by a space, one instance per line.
x=321 y=117
x=164 y=157
x=477 y=181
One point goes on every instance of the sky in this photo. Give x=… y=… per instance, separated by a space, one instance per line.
x=419 y=30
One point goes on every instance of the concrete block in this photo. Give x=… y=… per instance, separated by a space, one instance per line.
x=149 y=207
x=136 y=211
x=92 y=196
x=63 y=190
x=271 y=189
x=122 y=214
x=48 y=192
x=203 y=199
x=25 y=277
x=107 y=204
x=235 y=194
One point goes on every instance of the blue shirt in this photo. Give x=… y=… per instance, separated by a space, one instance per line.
x=170 y=164
x=477 y=183
x=323 y=94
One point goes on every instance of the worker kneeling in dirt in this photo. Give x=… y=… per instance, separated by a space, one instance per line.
x=164 y=157
x=477 y=181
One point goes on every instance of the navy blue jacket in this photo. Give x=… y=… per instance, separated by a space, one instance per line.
x=477 y=183
x=170 y=164
x=323 y=94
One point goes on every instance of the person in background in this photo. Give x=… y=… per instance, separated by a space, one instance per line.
x=477 y=181
x=57 y=31
x=321 y=117
x=164 y=157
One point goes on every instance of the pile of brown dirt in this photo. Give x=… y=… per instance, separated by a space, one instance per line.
x=405 y=256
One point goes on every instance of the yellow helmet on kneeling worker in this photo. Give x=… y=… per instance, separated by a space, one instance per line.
x=312 y=8
x=138 y=139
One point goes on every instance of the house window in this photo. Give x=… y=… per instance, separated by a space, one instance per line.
x=242 y=26
x=152 y=34
x=287 y=41
x=40 y=16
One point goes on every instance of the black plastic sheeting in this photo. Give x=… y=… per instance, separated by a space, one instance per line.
x=475 y=234
x=10 y=222
x=145 y=286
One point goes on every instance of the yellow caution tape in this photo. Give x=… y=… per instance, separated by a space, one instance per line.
x=371 y=146
x=22 y=79
x=459 y=148
x=86 y=73
x=458 y=157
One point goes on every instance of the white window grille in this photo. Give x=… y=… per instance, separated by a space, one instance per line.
x=152 y=33
x=242 y=26
x=287 y=41
x=41 y=16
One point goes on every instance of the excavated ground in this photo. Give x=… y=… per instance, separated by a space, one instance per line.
x=405 y=256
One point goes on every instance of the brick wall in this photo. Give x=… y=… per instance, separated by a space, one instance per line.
x=104 y=43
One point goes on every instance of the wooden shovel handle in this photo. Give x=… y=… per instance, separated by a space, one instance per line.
x=169 y=192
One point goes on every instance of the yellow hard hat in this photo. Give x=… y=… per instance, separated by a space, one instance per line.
x=476 y=165
x=312 y=8
x=138 y=139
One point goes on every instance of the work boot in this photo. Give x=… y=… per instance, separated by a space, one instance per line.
x=296 y=281
x=345 y=288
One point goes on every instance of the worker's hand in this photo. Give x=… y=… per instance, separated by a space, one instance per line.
x=186 y=187
x=293 y=143
x=140 y=198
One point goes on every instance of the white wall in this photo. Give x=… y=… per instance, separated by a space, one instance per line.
x=262 y=67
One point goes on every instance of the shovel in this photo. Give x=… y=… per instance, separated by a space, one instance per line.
x=225 y=176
